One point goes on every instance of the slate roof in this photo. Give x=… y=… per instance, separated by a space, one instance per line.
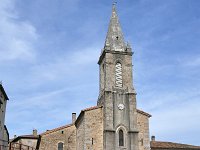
x=170 y=145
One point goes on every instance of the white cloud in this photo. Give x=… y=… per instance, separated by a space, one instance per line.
x=65 y=66
x=195 y=62
x=16 y=36
x=58 y=74
x=174 y=113
x=180 y=119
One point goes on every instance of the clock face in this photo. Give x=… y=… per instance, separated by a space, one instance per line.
x=121 y=106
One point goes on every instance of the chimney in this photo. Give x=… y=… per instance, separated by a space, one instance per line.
x=73 y=117
x=153 y=138
x=34 y=132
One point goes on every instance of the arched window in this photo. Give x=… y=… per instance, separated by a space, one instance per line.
x=121 y=138
x=60 y=146
x=118 y=75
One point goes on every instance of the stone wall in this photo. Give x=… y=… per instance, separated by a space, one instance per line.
x=90 y=130
x=143 y=126
x=3 y=102
x=29 y=142
x=109 y=65
x=80 y=133
x=65 y=134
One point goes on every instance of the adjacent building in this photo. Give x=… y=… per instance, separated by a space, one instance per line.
x=4 y=135
x=160 y=145
x=25 y=142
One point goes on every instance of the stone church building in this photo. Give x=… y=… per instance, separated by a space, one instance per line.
x=115 y=123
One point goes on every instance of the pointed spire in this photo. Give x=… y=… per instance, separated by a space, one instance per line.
x=114 y=37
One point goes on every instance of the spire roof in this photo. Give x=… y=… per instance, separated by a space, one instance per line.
x=114 y=39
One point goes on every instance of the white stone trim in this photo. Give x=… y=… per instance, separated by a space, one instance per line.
x=121 y=127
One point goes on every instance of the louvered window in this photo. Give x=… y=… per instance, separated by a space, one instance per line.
x=118 y=75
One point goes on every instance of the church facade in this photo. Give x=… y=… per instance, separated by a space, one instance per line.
x=115 y=123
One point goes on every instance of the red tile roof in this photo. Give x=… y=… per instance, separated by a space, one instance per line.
x=57 y=129
x=96 y=107
x=86 y=109
x=144 y=113
x=83 y=111
x=69 y=125
x=91 y=108
x=170 y=145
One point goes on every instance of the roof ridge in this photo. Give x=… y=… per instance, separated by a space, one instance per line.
x=91 y=108
x=143 y=112
x=56 y=129
x=165 y=144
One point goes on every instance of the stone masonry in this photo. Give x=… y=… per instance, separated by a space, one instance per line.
x=89 y=126
x=87 y=133
x=65 y=134
x=143 y=126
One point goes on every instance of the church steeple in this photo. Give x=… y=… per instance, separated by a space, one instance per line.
x=114 y=39
x=116 y=59
x=117 y=94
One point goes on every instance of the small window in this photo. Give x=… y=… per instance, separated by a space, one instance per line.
x=60 y=146
x=142 y=142
x=103 y=66
x=121 y=138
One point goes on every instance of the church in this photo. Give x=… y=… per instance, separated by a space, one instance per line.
x=114 y=123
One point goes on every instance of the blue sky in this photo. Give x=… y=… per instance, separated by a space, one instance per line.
x=49 y=51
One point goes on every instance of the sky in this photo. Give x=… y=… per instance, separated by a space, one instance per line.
x=49 y=51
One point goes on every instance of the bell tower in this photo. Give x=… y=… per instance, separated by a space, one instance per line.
x=116 y=92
